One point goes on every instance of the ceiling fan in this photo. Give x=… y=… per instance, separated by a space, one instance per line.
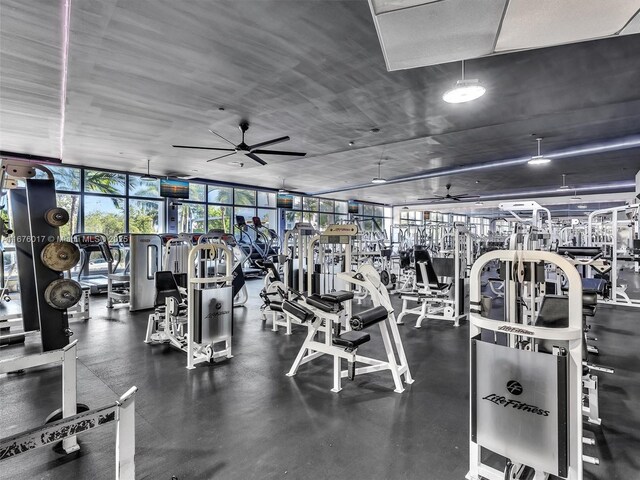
x=250 y=151
x=448 y=196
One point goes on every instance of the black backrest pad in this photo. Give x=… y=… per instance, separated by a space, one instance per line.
x=369 y=317
x=166 y=286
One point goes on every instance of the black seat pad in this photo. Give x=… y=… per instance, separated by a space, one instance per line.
x=318 y=302
x=351 y=340
x=301 y=313
x=338 y=296
x=591 y=285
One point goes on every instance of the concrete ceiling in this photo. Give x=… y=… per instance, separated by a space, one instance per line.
x=146 y=74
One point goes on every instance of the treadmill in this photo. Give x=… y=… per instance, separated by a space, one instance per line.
x=92 y=274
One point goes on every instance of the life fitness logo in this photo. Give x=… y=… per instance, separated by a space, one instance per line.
x=217 y=313
x=515 y=388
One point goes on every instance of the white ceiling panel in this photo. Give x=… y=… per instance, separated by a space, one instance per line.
x=438 y=32
x=544 y=23
x=633 y=26
x=384 y=6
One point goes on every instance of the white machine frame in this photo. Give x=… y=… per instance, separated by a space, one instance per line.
x=618 y=292
x=572 y=335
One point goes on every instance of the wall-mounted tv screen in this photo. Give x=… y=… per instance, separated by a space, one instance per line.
x=285 y=201
x=172 y=188
x=353 y=206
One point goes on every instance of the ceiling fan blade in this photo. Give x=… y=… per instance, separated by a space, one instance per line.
x=431 y=199
x=456 y=199
x=468 y=197
x=218 y=135
x=221 y=156
x=205 y=148
x=279 y=152
x=255 y=158
x=269 y=142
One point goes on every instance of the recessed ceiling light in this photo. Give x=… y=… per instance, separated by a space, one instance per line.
x=237 y=164
x=582 y=206
x=479 y=203
x=464 y=90
x=538 y=159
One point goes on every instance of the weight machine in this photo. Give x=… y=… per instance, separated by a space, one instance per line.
x=330 y=313
x=206 y=318
x=526 y=374
x=610 y=244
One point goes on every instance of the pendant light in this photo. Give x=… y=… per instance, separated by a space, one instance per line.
x=379 y=180
x=148 y=177
x=464 y=90
x=538 y=159
x=564 y=185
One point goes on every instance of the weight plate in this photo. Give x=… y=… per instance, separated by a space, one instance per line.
x=63 y=293
x=384 y=277
x=56 y=217
x=60 y=256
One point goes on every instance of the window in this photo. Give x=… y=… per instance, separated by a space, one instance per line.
x=245 y=197
x=368 y=210
x=71 y=203
x=104 y=215
x=220 y=218
x=109 y=183
x=341 y=207
x=146 y=216
x=268 y=217
x=191 y=218
x=267 y=199
x=297 y=202
x=196 y=192
x=143 y=188
x=310 y=203
x=220 y=195
x=311 y=218
x=326 y=219
x=66 y=178
x=291 y=218
x=326 y=205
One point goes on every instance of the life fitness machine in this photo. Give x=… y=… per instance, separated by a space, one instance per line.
x=525 y=382
x=144 y=262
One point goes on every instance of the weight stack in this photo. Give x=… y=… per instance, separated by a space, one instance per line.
x=33 y=233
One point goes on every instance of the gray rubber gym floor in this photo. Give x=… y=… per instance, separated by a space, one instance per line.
x=244 y=419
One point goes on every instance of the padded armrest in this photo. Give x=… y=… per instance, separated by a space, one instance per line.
x=301 y=313
x=318 y=302
x=369 y=317
x=351 y=340
x=337 y=297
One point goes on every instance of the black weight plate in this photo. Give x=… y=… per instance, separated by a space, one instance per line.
x=63 y=293
x=56 y=217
